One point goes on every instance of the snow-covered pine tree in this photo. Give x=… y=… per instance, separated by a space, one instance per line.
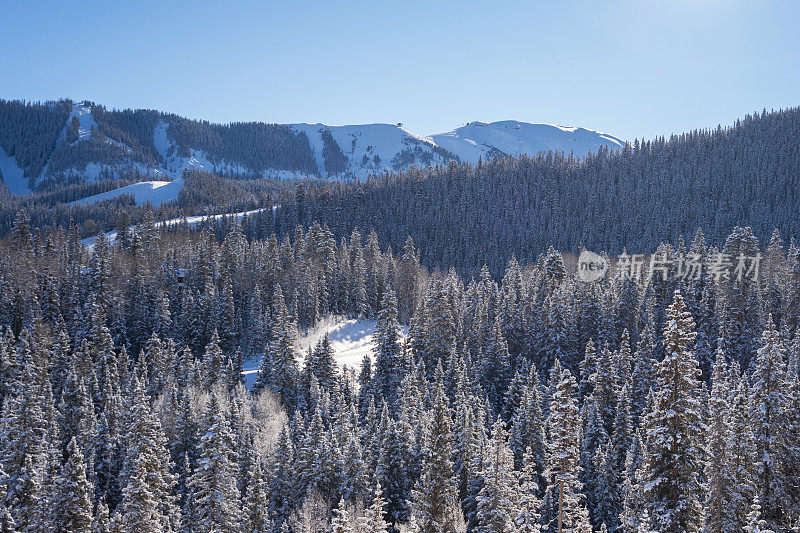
x=340 y=523
x=73 y=507
x=768 y=401
x=255 y=517
x=388 y=353
x=148 y=507
x=674 y=430
x=283 y=370
x=216 y=494
x=435 y=496
x=527 y=520
x=497 y=500
x=722 y=491
x=563 y=447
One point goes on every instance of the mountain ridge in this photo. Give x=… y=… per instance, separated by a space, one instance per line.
x=82 y=142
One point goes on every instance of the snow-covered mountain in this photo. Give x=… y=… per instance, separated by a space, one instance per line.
x=511 y=137
x=360 y=151
x=84 y=142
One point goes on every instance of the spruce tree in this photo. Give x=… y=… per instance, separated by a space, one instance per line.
x=769 y=398
x=388 y=352
x=73 y=508
x=674 y=430
x=435 y=497
x=215 y=491
x=563 y=446
x=497 y=509
x=721 y=487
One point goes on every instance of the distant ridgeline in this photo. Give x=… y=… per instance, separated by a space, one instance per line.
x=48 y=145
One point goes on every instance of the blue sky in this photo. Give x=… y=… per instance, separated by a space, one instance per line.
x=630 y=68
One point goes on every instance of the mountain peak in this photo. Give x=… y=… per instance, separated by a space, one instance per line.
x=511 y=137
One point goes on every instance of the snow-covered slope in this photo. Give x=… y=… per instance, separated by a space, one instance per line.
x=368 y=149
x=175 y=164
x=85 y=120
x=12 y=174
x=155 y=192
x=510 y=137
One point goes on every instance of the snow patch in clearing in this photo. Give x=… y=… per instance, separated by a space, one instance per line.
x=351 y=338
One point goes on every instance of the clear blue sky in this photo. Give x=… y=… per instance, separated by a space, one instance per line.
x=630 y=68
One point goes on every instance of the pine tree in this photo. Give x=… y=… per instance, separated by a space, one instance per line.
x=721 y=487
x=674 y=429
x=497 y=508
x=213 y=361
x=256 y=507
x=388 y=352
x=435 y=497
x=527 y=430
x=139 y=504
x=741 y=449
x=283 y=378
x=147 y=500
x=282 y=480
x=373 y=519
x=392 y=468
x=216 y=494
x=527 y=521
x=341 y=521
x=768 y=401
x=101 y=523
x=563 y=446
x=74 y=505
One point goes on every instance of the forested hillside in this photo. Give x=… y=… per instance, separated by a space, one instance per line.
x=61 y=143
x=58 y=143
x=651 y=191
x=664 y=402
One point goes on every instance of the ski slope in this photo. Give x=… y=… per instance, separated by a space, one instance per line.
x=155 y=192
x=85 y=120
x=370 y=148
x=13 y=175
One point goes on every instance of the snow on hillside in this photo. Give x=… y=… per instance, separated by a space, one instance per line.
x=340 y=152
x=197 y=160
x=155 y=192
x=12 y=174
x=481 y=139
x=85 y=121
x=370 y=148
x=351 y=340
